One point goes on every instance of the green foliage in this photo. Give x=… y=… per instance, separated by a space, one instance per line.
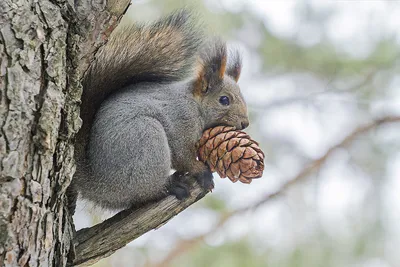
x=323 y=58
x=214 y=203
x=234 y=254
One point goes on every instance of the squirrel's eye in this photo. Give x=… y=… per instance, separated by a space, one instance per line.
x=224 y=100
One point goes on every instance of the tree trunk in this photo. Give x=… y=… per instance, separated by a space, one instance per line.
x=45 y=47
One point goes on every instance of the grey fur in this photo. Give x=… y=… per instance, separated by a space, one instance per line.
x=142 y=131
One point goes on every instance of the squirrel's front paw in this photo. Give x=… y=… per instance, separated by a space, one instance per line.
x=178 y=187
x=205 y=179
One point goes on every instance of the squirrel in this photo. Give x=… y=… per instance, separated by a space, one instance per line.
x=147 y=98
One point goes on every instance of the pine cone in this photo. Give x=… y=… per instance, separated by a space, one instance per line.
x=231 y=153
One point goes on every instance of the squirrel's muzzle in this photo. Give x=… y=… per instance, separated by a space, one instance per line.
x=245 y=124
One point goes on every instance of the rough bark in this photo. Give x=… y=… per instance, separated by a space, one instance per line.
x=45 y=47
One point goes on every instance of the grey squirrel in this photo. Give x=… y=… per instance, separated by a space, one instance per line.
x=148 y=96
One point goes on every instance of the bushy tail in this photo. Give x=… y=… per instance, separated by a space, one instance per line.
x=161 y=52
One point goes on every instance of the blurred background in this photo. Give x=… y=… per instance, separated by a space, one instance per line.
x=313 y=72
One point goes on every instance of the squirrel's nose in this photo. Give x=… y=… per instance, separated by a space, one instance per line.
x=245 y=124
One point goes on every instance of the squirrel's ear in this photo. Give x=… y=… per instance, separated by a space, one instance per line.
x=234 y=65
x=211 y=66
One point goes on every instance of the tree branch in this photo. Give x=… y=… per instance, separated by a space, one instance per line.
x=102 y=240
x=186 y=245
x=308 y=98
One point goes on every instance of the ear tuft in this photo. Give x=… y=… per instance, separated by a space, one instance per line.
x=234 y=65
x=211 y=65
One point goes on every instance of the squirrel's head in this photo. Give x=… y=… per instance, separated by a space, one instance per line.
x=216 y=89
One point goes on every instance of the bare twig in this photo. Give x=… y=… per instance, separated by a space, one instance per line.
x=186 y=245
x=313 y=95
